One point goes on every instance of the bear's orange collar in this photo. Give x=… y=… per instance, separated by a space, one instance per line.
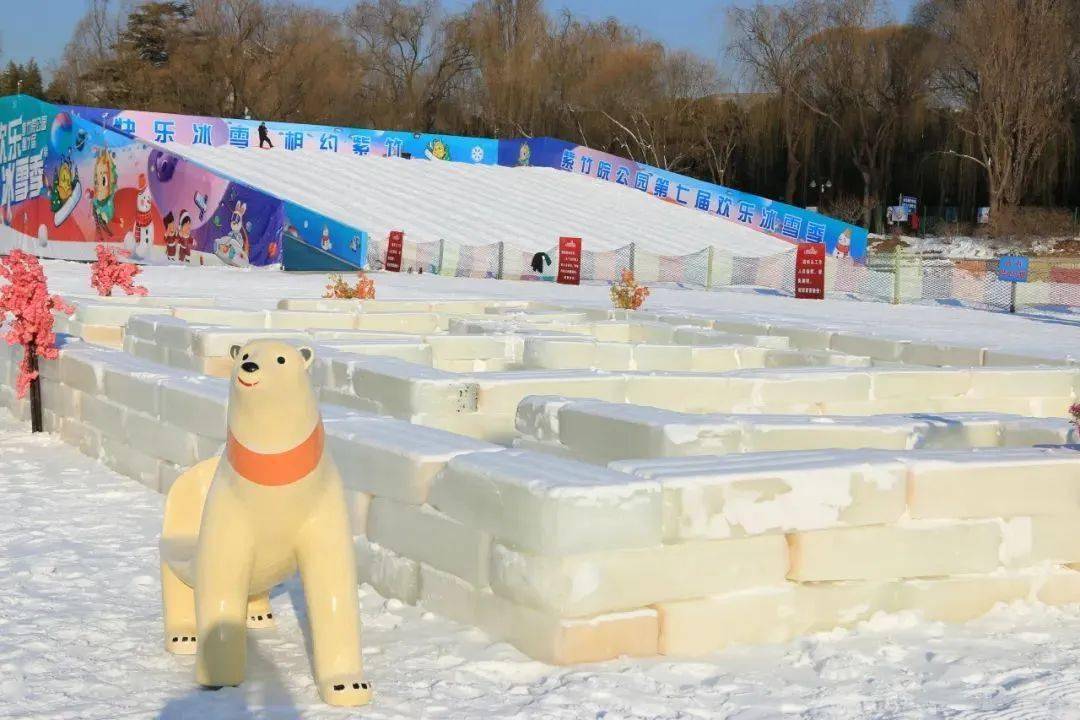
x=276 y=469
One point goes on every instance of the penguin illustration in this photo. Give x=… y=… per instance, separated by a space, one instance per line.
x=539 y=260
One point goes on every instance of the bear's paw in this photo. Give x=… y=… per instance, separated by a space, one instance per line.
x=181 y=641
x=345 y=691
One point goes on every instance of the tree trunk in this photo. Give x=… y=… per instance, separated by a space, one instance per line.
x=866 y=199
x=996 y=200
x=792 y=183
x=36 y=424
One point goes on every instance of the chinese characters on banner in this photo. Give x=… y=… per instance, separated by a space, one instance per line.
x=394 y=250
x=22 y=160
x=810 y=271
x=569 y=261
x=165 y=129
x=777 y=219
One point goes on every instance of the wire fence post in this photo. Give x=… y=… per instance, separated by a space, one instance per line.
x=633 y=251
x=442 y=249
x=708 y=270
x=1012 y=297
x=896 y=276
x=499 y=274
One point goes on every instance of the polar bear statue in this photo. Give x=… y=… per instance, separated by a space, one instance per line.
x=237 y=525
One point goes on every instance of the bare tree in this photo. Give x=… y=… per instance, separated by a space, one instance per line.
x=669 y=125
x=508 y=40
x=772 y=42
x=77 y=74
x=722 y=130
x=304 y=67
x=865 y=79
x=1006 y=71
x=413 y=56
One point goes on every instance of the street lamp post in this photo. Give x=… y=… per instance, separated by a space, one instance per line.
x=821 y=186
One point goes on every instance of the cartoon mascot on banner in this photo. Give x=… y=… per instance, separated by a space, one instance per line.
x=103 y=192
x=235 y=248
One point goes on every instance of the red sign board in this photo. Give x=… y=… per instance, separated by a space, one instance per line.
x=569 y=261
x=393 y=251
x=810 y=271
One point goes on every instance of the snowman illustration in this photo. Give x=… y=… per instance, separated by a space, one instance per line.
x=326 y=238
x=843 y=244
x=142 y=237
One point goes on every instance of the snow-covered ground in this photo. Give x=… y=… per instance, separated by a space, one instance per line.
x=527 y=207
x=80 y=612
x=1048 y=334
x=80 y=639
x=979 y=248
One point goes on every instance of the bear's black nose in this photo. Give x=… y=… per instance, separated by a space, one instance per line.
x=249 y=367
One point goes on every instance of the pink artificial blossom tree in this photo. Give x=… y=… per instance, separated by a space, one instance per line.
x=108 y=272
x=26 y=296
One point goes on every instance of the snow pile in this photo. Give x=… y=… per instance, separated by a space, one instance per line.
x=964 y=247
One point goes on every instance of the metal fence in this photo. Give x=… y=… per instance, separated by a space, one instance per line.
x=895 y=277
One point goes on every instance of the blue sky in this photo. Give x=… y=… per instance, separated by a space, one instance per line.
x=39 y=28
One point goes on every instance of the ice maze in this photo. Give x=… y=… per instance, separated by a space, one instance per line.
x=588 y=483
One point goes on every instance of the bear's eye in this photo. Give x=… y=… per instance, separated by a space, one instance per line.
x=281 y=361
x=245 y=357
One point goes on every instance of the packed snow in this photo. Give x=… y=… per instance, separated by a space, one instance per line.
x=1032 y=332
x=80 y=617
x=81 y=640
x=526 y=207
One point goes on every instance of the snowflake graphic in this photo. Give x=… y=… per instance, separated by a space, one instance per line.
x=477 y=154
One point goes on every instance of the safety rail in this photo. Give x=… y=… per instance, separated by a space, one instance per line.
x=896 y=277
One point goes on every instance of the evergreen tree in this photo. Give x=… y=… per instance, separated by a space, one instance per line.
x=9 y=79
x=32 y=83
x=153 y=28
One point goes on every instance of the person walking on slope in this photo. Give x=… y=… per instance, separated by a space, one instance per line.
x=264 y=136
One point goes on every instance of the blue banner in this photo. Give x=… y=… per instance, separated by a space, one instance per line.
x=327 y=236
x=774 y=218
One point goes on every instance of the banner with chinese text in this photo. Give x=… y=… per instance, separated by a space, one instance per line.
x=165 y=129
x=67 y=184
x=778 y=219
x=782 y=221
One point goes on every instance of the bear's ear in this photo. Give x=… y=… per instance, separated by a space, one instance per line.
x=308 y=354
x=234 y=351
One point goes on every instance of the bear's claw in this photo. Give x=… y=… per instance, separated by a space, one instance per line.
x=180 y=644
x=346 y=692
x=261 y=621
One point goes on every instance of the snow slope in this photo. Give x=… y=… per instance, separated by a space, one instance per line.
x=480 y=204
